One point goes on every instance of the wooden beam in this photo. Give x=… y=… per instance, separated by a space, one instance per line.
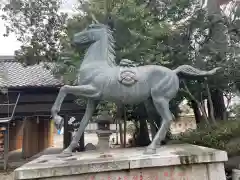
x=21 y=115
x=34 y=108
x=39 y=98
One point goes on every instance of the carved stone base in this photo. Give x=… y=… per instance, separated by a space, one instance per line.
x=176 y=162
x=90 y=147
x=235 y=174
x=103 y=139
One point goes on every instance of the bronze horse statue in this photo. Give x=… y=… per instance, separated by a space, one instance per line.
x=100 y=78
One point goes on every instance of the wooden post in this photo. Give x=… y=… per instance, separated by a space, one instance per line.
x=13 y=137
x=51 y=131
x=44 y=134
x=6 y=147
x=30 y=138
x=119 y=117
x=2 y=129
x=67 y=136
x=16 y=133
x=125 y=127
x=19 y=134
x=117 y=130
x=81 y=141
x=41 y=133
x=47 y=134
x=81 y=144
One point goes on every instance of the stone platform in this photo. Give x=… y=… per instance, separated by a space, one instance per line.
x=178 y=162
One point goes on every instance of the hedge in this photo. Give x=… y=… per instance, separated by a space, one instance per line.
x=224 y=136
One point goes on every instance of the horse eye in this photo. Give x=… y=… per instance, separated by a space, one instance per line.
x=93 y=26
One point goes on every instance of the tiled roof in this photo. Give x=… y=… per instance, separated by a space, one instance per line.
x=14 y=74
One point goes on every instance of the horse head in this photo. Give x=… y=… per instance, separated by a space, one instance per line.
x=90 y=34
x=100 y=37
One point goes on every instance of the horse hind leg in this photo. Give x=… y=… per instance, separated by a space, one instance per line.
x=153 y=116
x=162 y=106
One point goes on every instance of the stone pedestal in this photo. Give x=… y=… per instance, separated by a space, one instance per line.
x=176 y=162
x=235 y=174
x=103 y=131
x=103 y=139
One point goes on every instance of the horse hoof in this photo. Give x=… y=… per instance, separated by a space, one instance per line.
x=66 y=153
x=158 y=143
x=150 y=150
x=58 y=121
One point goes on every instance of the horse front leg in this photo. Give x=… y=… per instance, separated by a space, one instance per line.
x=91 y=106
x=86 y=91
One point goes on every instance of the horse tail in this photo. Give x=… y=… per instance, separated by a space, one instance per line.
x=191 y=71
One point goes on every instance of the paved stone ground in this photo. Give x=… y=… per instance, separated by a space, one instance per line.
x=6 y=175
x=58 y=144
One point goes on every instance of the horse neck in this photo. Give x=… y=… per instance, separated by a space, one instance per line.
x=99 y=54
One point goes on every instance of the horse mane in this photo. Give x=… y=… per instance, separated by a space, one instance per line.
x=111 y=55
x=109 y=43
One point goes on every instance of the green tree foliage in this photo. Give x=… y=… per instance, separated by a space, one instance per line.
x=39 y=27
x=169 y=33
x=224 y=136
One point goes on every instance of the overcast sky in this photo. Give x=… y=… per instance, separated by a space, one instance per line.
x=9 y=44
